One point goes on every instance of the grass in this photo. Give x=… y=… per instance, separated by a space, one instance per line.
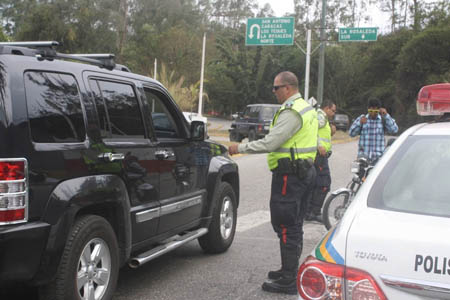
x=342 y=137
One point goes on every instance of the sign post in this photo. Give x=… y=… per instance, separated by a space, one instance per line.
x=269 y=31
x=360 y=34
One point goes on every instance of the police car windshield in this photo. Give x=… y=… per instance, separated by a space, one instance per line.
x=415 y=180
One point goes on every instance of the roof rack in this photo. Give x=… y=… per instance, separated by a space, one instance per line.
x=45 y=50
x=31 y=44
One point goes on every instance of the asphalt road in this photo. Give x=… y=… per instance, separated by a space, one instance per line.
x=188 y=273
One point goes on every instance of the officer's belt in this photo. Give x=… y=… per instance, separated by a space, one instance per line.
x=296 y=150
x=286 y=166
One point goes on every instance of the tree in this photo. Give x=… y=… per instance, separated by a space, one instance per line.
x=423 y=60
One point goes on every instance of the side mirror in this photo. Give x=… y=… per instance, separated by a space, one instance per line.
x=198 y=129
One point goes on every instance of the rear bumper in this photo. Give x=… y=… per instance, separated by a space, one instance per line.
x=341 y=126
x=262 y=133
x=21 y=248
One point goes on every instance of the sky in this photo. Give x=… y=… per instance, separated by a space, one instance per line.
x=379 y=19
x=280 y=7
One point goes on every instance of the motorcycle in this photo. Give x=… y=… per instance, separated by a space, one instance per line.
x=337 y=203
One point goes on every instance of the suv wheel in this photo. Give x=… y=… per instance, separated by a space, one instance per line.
x=223 y=225
x=251 y=135
x=90 y=263
x=235 y=137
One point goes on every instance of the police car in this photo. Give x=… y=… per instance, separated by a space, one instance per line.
x=394 y=240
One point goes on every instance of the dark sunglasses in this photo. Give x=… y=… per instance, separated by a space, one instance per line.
x=276 y=87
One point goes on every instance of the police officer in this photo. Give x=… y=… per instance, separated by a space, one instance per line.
x=323 y=177
x=292 y=146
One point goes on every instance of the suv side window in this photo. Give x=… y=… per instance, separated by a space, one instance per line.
x=163 y=123
x=254 y=112
x=246 y=113
x=118 y=110
x=54 y=108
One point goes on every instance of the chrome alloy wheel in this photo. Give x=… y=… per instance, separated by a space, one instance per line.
x=94 y=270
x=226 y=217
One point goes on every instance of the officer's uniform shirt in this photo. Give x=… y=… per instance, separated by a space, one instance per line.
x=288 y=123
x=322 y=118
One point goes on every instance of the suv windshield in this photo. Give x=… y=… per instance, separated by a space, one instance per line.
x=415 y=180
x=267 y=113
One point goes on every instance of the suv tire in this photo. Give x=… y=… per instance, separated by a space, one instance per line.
x=252 y=135
x=90 y=237
x=235 y=136
x=223 y=224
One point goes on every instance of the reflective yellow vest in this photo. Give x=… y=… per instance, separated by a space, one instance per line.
x=325 y=133
x=303 y=141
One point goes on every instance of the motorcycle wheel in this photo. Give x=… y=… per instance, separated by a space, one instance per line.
x=334 y=208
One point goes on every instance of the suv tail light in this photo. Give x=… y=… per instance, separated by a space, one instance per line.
x=13 y=191
x=318 y=280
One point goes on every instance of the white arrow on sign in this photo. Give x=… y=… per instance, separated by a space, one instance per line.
x=258 y=32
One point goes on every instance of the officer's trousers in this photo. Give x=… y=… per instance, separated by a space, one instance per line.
x=288 y=203
x=321 y=186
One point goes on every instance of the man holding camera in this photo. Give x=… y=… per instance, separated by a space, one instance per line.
x=371 y=128
x=291 y=145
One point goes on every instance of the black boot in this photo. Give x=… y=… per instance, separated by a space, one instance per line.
x=281 y=285
x=309 y=217
x=286 y=282
x=317 y=218
x=274 y=275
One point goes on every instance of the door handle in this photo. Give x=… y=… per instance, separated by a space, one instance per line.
x=164 y=154
x=110 y=157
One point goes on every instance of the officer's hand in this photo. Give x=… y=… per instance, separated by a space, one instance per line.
x=333 y=129
x=322 y=151
x=233 y=149
x=363 y=120
x=383 y=111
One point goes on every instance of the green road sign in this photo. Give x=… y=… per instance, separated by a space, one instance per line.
x=358 y=34
x=269 y=32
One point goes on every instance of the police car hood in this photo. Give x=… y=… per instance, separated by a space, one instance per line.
x=407 y=254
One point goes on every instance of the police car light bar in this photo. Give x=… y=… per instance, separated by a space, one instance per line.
x=434 y=100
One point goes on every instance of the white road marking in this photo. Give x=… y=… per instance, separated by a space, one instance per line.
x=260 y=217
x=252 y=220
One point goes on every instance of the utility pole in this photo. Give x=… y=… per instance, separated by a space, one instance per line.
x=322 y=54
x=308 y=59
x=200 y=103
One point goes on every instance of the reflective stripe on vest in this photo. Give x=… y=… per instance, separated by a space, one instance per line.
x=324 y=138
x=304 y=141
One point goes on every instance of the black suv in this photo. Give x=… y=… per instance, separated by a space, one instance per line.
x=341 y=121
x=253 y=123
x=99 y=169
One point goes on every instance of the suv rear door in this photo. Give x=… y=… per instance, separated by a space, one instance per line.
x=182 y=176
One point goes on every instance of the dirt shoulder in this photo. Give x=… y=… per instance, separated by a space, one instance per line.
x=220 y=135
